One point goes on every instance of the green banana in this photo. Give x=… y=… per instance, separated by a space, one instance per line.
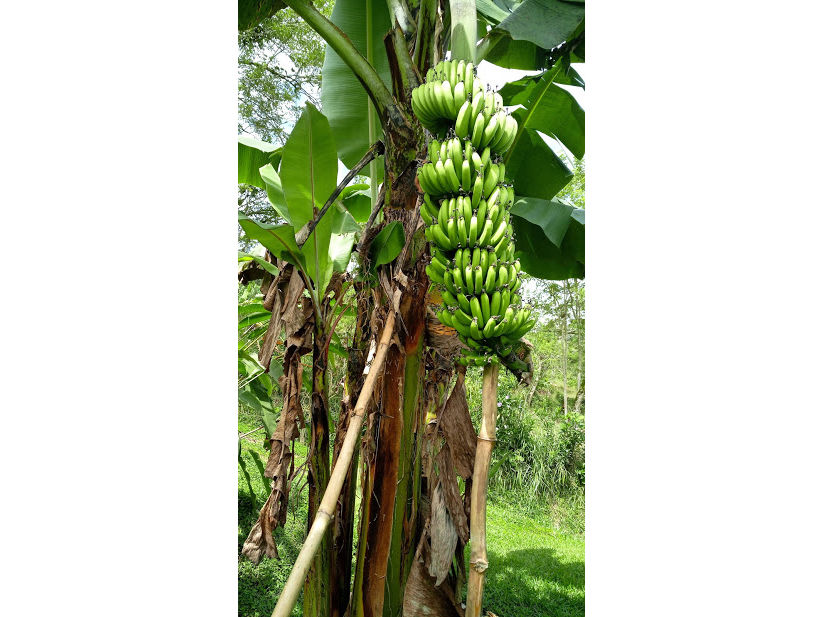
x=448 y=100
x=457 y=278
x=498 y=233
x=468 y=278
x=461 y=316
x=451 y=176
x=459 y=96
x=461 y=328
x=502 y=275
x=477 y=191
x=477 y=132
x=465 y=176
x=485 y=306
x=489 y=131
x=461 y=127
x=491 y=180
x=478 y=279
x=490 y=283
x=457 y=154
x=482 y=208
x=484 y=262
x=477 y=162
x=448 y=281
x=465 y=208
x=488 y=226
x=472 y=231
x=486 y=156
x=463 y=302
x=494 y=303
x=488 y=331
x=505 y=296
x=462 y=232
x=434 y=274
x=440 y=238
x=451 y=228
x=438 y=266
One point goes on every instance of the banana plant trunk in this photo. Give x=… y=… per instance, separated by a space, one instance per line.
x=390 y=490
x=343 y=530
x=316 y=591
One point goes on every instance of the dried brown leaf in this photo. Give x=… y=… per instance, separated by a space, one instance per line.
x=423 y=599
x=443 y=537
x=448 y=486
x=457 y=427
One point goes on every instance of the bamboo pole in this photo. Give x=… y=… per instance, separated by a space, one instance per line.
x=478 y=559
x=288 y=597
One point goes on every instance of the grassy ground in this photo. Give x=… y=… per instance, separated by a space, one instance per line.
x=534 y=569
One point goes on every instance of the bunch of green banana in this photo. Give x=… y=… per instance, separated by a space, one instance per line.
x=453 y=98
x=466 y=208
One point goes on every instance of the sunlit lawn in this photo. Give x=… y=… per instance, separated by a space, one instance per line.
x=533 y=569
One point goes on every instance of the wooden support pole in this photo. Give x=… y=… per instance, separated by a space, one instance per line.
x=288 y=597
x=478 y=559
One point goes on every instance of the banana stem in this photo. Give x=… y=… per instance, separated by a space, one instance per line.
x=340 y=43
x=291 y=591
x=463 y=29
x=478 y=559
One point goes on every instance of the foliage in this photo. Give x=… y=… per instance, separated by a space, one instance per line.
x=279 y=64
x=345 y=102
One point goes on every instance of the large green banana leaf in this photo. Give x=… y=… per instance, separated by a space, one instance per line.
x=550 y=238
x=550 y=234
x=345 y=102
x=308 y=176
x=546 y=23
x=252 y=154
x=308 y=173
x=274 y=190
x=534 y=167
x=530 y=29
x=279 y=239
x=549 y=109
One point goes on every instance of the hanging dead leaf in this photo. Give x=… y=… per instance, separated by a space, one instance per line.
x=447 y=483
x=423 y=599
x=443 y=537
x=457 y=427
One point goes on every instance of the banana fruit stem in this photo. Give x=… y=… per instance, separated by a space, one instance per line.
x=463 y=29
x=340 y=43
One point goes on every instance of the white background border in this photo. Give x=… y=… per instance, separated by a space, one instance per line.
x=118 y=323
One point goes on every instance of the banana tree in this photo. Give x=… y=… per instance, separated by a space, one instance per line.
x=413 y=522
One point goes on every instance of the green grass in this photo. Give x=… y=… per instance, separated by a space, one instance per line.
x=535 y=569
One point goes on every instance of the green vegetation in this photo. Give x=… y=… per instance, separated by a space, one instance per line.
x=536 y=570
x=537 y=556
